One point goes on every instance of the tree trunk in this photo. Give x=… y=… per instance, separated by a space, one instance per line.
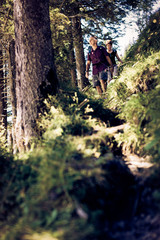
x=73 y=68
x=79 y=51
x=3 y=95
x=1 y=85
x=12 y=77
x=3 y=88
x=72 y=61
x=12 y=86
x=35 y=70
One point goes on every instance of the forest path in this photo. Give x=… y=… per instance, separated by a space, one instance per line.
x=145 y=225
x=137 y=164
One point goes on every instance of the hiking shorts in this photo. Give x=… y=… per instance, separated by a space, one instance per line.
x=100 y=76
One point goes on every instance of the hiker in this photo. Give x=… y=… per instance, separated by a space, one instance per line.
x=100 y=62
x=112 y=54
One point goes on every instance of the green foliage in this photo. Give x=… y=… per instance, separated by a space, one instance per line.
x=67 y=121
x=63 y=192
x=134 y=114
x=53 y=187
x=16 y=177
x=6 y=20
x=60 y=25
x=3 y=136
x=77 y=127
x=153 y=128
x=135 y=94
x=134 y=110
x=148 y=40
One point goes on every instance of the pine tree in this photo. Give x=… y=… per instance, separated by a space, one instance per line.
x=35 y=70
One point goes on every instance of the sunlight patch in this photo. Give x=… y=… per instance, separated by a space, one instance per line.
x=40 y=236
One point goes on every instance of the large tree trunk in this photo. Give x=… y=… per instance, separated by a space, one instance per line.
x=12 y=86
x=1 y=85
x=35 y=71
x=3 y=90
x=12 y=77
x=79 y=51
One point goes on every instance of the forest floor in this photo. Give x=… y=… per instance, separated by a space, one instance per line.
x=145 y=224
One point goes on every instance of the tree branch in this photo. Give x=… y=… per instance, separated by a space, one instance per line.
x=60 y=8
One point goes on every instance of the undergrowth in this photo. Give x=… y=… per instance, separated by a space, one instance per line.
x=70 y=186
x=53 y=186
x=148 y=41
x=135 y=95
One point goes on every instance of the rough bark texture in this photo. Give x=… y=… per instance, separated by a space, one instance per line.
x=1 y=85
x=12 y=86
x=79 y=51
x=12 y=74
x=72 y=61
x=35 y=71
x=73 y=68
x=3 y=92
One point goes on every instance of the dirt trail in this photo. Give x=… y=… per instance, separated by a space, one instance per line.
x=136 y=163
x=145 y=225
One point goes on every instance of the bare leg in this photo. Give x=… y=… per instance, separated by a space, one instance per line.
x=99 y=90
x=103 y=86
x=115 y=72
x=109 y=76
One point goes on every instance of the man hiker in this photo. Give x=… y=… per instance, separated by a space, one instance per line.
x=100 y=62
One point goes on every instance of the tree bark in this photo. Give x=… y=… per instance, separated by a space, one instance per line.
x=73 y=68
x=35 y=70
x=3 y=89
x=12 y=77
x=79 y=51
x=12 y=86
x=1 y=85
x=72 y=60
